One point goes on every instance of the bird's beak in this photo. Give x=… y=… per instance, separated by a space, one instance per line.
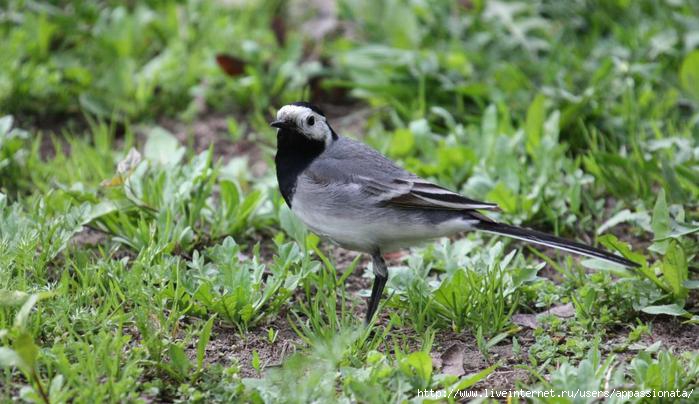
x=279 y=124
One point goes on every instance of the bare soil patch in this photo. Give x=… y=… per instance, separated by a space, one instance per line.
x=505 y=375
x=673 y=333
x=227 y=346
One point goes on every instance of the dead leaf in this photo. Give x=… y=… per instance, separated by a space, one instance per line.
x=453 y=360
x=436 y=360
x=278 y=26
x=231 y=65
x=530 y=320
x=128 y=163
x=330 y=94
x=525 y=320
x=115 y=181
x=564 y=311
x=124 y=169
x=467 y=4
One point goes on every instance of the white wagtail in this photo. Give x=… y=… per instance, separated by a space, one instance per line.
x=352 y=195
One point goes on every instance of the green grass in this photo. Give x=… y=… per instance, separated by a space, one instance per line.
x=135 y=266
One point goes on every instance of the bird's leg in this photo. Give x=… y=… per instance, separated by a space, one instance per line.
x=380 y=278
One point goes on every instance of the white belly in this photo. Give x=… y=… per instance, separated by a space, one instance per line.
x=367 y=234
x=343 y=231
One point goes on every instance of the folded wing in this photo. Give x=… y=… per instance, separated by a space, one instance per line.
x=419 y=193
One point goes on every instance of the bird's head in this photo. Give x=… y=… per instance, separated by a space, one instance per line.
x=304 y=119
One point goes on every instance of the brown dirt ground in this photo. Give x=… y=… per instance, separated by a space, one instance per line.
x=212 y=129
x=505 y=376
x=227 y=346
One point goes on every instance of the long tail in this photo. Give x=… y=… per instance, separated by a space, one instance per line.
x=548 y=240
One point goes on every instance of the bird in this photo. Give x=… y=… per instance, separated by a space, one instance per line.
x=347 y=192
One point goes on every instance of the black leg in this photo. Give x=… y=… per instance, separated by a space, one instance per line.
x=380 y=278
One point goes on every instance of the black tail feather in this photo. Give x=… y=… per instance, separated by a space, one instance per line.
x=549 y=240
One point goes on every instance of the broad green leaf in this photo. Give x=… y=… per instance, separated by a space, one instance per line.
x=23 y=313
x=30 y=395
x=689 y=73
x=661 y=216
x=670 y=181
x=402 y=142
x=625 y=216
x=292 y=225
x=256 y=360
x=5 y=125
x=497 y=339
x=418 y=364
x=101 y=209
x=655 y=347
x=230 y=195
x=94 y=104
x=660 y=223
x=250 y=203
x=12 y=297
x=503 y=197
x=610 y=241
x=449 y=293
x=374 y=357
x=246 y=312
x=26 y=349
x=56 y=386
x=669 y=309
x=204 y=341
x=10 y=358
x=674 y=268
x=601 y=265
x=312 y=241
x=489 y=129
x=470 y=380
x=162 y=147
x=536 y=114
x=681 y=230
x=179 y=359
x=28 y=304
x=521 y=276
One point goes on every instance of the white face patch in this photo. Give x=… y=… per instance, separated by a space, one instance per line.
x=310 y=123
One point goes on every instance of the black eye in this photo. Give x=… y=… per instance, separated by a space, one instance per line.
x=310 y=121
